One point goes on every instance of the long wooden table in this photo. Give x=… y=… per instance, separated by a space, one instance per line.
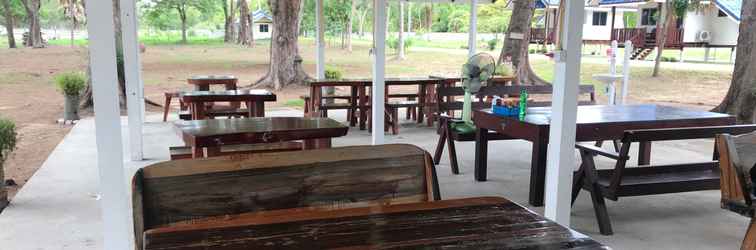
x=254 y=99
x=594 y=123
x=359 y=92
x=211 y=134
x=473 y=223
x=203 y=82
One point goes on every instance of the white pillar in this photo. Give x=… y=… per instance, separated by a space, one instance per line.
x=626 y=71
x=561 y=149
x=379 y=67
x=102 y=54
x=319 y=40
x=133 y=72
x=473 y=31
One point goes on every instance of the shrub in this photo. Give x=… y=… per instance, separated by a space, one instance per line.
x=71 y=83
x=669 y=59
x=332 y=73
x=502 y=70
x=7 y=139
x=531 y=51
x=393 y=43
x=492 y=44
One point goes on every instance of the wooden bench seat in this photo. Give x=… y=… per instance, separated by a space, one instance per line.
x=184 y=152
x=213 y=113
x=738 y=158
x=359 y=176
x=623 y=181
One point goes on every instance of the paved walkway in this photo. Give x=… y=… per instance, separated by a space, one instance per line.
x=58 y=208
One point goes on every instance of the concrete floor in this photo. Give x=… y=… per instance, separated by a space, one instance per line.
x=58 y=208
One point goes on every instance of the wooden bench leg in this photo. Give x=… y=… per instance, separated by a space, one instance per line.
x=439 y=148
x=749 y=241
x=599 y=207
x=167 y=107
x=452 y=153
x=395 y=121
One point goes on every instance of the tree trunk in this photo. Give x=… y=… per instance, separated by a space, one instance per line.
x=243 y=22
x=661 y=33
x=35 y=29
x=349 y=25
x=741 y=98
x=400 y=46
x=87 y=101
x=229 y=15
x=363 y=16
x=388 y=18
x=285 y=62
x=9 y=23
x=74 y=25
x=516 y=43
x=182 y=15
x=409 y=17
x=428 y=17
x=301 y=13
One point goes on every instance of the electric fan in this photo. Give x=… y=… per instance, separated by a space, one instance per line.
x=475 y=73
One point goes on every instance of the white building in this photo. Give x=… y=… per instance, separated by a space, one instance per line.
x=262 y=24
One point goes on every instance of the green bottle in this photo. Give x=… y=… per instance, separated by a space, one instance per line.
x=523 y=103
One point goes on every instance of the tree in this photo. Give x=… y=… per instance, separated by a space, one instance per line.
x=182 y=8
x=229 y=17
x=9 y=22
x=400 y=47
x=516 y=43
x=670 y=11
x=35 y=30
x=74 y=10
x=349 y=24
x=740 y=100
x=244 y=23
x=285 y=62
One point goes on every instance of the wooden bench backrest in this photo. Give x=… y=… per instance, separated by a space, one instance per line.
x=737 y=157
x=187 y=190
x=446 y=95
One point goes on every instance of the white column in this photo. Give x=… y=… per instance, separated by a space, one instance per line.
x=626 y=71
x=319 y=40
x=102 y=55
x=473 y=31
x=379 y=67
x=133 y=72
x=561 y=150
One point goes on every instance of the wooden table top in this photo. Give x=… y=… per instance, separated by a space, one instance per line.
x=257 y=130
x=369 y=82
x=472 y=223
x=229 y=95
x=599 y=114
x=212 y=79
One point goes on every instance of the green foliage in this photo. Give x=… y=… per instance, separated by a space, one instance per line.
x=669 y=59
x=630 y=19
x=494 y=18
x=492 y=44
x=459 y=21
x=71 y=83
x=502 y=70
x=333 y=73
x=393 y=43
x=7 y=139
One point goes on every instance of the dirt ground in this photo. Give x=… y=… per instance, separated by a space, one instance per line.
x=28 y=95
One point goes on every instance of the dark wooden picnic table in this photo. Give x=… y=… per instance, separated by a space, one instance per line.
x=359 y=92
x=594 y=123
x=203 y=82
x=254 y=99
x=212 y=134
x=472 y=223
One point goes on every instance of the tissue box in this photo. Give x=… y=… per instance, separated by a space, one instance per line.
x=506 y=111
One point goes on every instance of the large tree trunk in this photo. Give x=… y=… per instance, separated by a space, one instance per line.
x=285 y=62
x=244 y=22
x=229 y=12
x=35 y=28
x=741 y=98
x=9 y=23
x=349 y=25
x=516 y=42
x=181 y=8
x=662 y=26
x=400 y=46
x=428 y=17
x=363 y=16
x=74 y=23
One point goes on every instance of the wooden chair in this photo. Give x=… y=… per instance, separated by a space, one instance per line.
x=190 y=190
x=167 y=108
x=623 y=181
x=448 y=103
x=737 y=162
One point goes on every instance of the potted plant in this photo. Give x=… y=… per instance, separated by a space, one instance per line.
x=71 y=84
x=7 y=144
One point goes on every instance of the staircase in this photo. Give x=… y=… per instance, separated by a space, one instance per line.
x=640 y=53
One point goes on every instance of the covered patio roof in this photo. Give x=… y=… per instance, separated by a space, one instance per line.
x=115 y=203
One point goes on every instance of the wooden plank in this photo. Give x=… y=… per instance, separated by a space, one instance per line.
x=687 y=133
x=473 y=223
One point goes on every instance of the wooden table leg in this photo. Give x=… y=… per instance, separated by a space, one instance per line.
x=198 y=152
x=353 y=96
x=538 y=168
x=421 y=103
x=644 y=153
x=481 y=154
x=167 y=107
x=363 y=106
x=317 y=143
x=259 y=109
x=250 y=109
x=212 y=151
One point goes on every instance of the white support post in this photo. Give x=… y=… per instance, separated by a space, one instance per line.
x=706 y=54
x=319 y=40
x=626 y=71
x=473 y=31
x=133 y=73
x=114 y=204
x=561 y=149
x=379 y=73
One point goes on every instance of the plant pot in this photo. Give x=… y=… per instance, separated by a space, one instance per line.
x=71 y=108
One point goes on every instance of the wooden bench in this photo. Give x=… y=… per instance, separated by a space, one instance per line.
x=737 y=162
x=183 y=191
x=184 y=152
x=622 y=181
x=448 y=103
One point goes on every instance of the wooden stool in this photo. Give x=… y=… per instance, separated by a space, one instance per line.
x=167 y=107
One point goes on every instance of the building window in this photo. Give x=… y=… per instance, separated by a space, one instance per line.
x=263 y=28
x=599 y=18
x=721 y=14
x=648 y=17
